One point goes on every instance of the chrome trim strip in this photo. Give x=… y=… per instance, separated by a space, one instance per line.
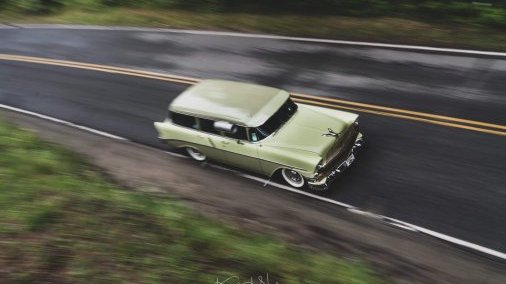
x=286 y=166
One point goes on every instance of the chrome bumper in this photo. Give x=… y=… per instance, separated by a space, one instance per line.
x=323 y=182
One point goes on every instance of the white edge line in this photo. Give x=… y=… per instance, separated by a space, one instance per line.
x=461 y=242
x=176 y=155
x=386 y=219
x=350 y=208
x=412 y=227
x=451 y=239
x=265 y=36
x=294 y=190
x=53 y=119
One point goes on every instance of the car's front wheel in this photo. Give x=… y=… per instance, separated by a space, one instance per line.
x=293 y=178
x=195 y=154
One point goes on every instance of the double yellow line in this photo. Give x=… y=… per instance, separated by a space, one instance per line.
x=403 y=114
x=301 y=98
x=100 y=68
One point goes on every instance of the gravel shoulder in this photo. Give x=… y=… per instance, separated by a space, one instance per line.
x=402 y=256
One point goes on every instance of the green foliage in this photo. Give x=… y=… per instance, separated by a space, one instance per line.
x=459 y=11
x=493 y=17
x=62 y=222
x=34 y=6
x=114 y=3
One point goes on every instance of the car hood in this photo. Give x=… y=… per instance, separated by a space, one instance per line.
x=304 y=130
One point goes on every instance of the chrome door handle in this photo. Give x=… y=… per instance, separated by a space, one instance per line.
x=225 y=142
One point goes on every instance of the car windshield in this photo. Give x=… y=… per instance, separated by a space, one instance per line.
x=281 y=116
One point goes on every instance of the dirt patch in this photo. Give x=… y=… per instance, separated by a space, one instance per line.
x=404 y=257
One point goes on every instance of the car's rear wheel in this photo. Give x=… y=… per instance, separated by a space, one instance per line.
x=293 y=178
x=195 y=154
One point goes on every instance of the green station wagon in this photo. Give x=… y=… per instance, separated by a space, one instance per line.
x=260 y=129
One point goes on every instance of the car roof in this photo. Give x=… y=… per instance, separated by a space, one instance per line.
x=243 y=104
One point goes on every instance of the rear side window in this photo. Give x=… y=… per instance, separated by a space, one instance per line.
x=207 y=125
x=184 y=120
x=239 y=133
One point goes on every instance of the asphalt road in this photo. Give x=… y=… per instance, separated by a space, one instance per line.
x=449 y=180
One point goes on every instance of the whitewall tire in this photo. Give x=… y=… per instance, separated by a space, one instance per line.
x=195 y=154
x=293 y=178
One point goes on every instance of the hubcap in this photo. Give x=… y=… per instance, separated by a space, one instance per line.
x=293 y=178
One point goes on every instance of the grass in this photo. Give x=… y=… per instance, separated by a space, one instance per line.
x=63 y=222
x=391 y=30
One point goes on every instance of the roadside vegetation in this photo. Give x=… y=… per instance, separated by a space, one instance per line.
x=63 y=221
x=458 y=23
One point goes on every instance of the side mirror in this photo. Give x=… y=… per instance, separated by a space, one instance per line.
x=224 y=126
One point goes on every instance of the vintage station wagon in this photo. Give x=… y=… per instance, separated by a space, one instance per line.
x=260 y=129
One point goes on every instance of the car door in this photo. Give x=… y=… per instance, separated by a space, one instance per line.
x=239 y=152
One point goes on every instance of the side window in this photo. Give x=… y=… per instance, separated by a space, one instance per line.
x=184 y=120
x=207 y=125
x=240 y=133
x=255 y=135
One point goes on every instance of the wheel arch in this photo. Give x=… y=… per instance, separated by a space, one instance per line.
x=277 y=171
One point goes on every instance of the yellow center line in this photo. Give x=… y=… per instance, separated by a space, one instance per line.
x=98 y=67
x=310 y=99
